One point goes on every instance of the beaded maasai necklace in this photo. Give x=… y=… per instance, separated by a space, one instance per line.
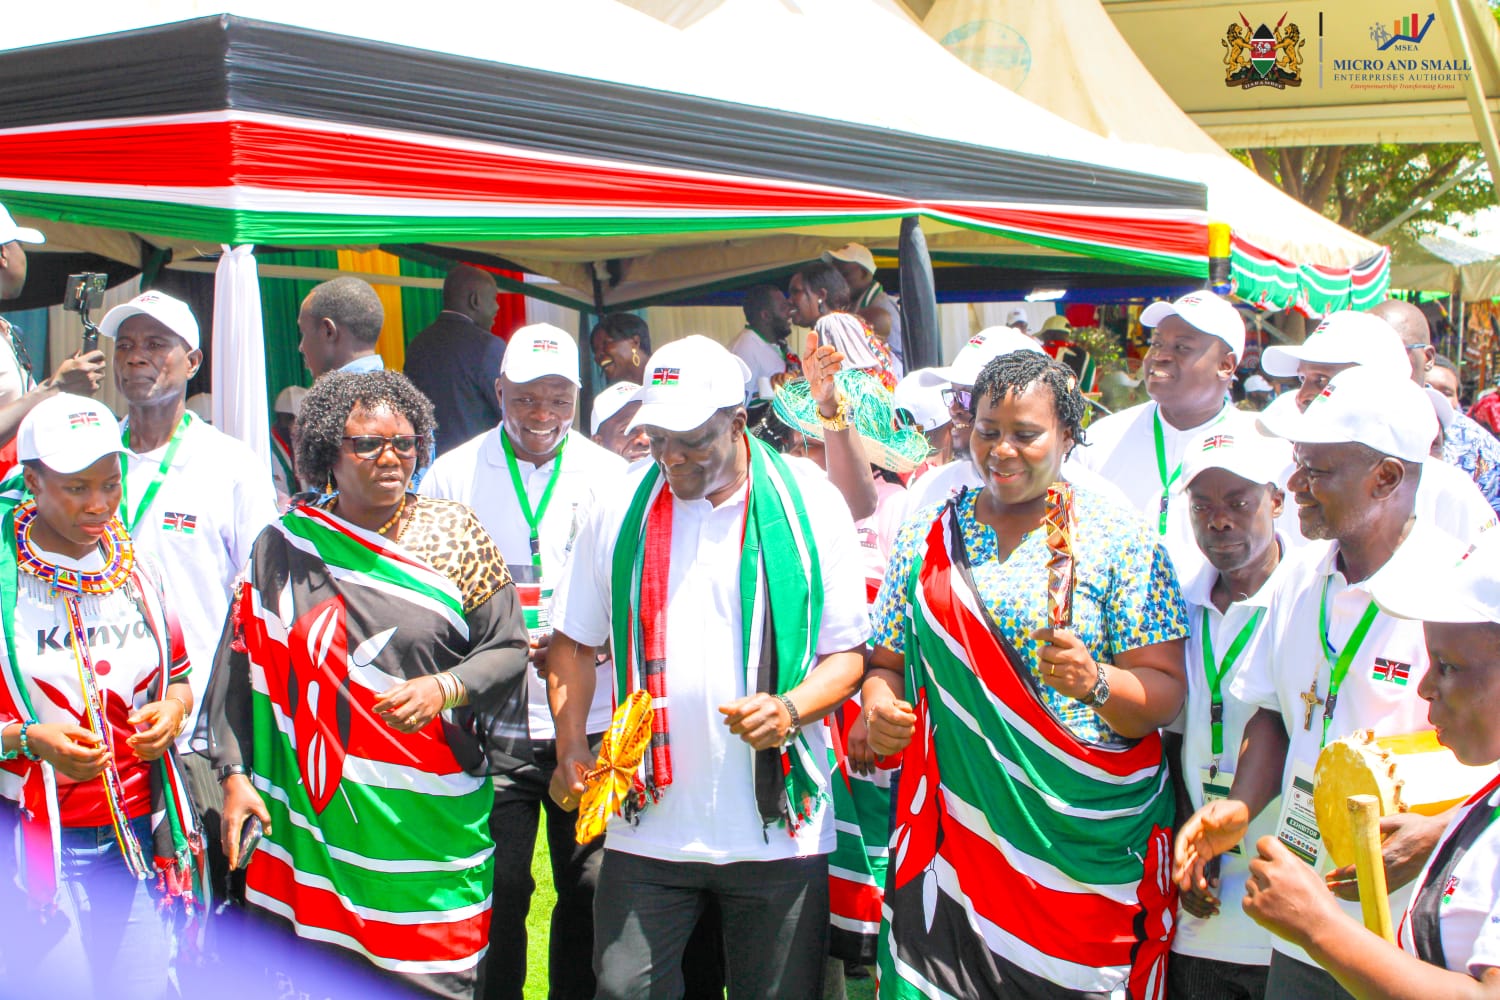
x=119 y=558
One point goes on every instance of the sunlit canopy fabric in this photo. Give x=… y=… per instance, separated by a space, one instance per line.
x=228 y=130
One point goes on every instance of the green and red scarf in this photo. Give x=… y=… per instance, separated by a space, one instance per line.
x=781 y=584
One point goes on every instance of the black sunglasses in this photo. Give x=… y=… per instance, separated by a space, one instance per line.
x=372 y=445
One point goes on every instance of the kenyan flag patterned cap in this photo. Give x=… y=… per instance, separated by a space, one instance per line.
x=68 y=433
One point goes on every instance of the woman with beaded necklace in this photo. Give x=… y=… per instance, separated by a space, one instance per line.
x=94 y=692
x=372 y=672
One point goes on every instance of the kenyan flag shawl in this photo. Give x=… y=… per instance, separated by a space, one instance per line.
x=857 y=866
x=173 y=859
x=379 y=840
x=1022 y=856
x=781 y=585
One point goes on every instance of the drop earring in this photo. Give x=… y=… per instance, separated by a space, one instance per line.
x=635 y=356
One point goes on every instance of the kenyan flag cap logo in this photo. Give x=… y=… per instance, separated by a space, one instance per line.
x=665 y=376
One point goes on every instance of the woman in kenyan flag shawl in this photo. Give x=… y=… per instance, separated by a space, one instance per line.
x=1032 y=852
x=375 y=645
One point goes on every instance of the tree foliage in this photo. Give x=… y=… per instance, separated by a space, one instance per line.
x=1364 y=187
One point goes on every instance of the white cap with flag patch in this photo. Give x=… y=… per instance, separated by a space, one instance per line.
x=1446 y=581
x=1370 y=406
x=539 y=350
x=609 y=402
x=12 y=233
x=68 y=433
x=1245 y=451
x=171 y=313
x=1342 y=338
x=982 y=348
x=687 y=382
x=1205 y=312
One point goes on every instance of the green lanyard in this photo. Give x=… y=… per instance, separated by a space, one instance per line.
x=159 y=477
x=1340 y=668
x=1216 y=672
x=1167 y=481
x=533 y=521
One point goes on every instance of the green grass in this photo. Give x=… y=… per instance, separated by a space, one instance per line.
x=538 y=921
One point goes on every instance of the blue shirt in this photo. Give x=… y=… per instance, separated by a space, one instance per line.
x=1125 y=592
x=368 y=363
x=1475 y=450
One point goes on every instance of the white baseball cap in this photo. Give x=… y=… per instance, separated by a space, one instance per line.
x=171 y=313
x=687 y=382
x=982 y=348
x=1445 y=580
x=1371 y=406
x=1343 y=338
x=924 y=400
x=609 y=402
x=1258 y=383
x=1244 y=451
x=1205 y=312
x=852 y=253
x=539 y=350
x=1441 y=406
x=1017 y=315
x=68 y=433
x=289 y=400
x=10 y=232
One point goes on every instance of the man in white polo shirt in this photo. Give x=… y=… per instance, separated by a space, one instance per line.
x=1332 y=662
x=1233 y=485
x=532 y=481
x=192 y=497
x=1196 y=342
x=727 y=582
x=1447 y=498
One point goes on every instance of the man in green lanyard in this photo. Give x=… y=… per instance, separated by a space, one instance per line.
x=1332 y=664
x=192 y=497
x=1234 y=490
x=532 y=481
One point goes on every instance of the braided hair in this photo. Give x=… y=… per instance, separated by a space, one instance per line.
x=1020 y=370
x=318 y=434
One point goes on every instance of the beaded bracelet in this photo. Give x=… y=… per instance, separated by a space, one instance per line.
x=4 y=753
x=26 y=744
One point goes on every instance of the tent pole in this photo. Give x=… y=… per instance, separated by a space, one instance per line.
x=919 y=323
x=1484 y=125
x=585 y=353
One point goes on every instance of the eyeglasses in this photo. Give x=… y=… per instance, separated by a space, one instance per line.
x=963 y=397
x=371 y=446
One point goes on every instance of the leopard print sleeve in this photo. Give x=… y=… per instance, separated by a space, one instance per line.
x=448 y=536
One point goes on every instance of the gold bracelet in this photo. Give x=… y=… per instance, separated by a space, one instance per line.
x=840 y=420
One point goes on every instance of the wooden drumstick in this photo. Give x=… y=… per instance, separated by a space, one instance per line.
x=1369 y=865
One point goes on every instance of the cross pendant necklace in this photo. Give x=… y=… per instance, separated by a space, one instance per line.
x=1311 y=700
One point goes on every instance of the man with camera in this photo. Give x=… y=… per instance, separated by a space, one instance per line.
x=19 y=390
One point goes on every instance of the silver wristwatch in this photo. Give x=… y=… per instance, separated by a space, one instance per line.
x=794 y=715
x=1099 y=693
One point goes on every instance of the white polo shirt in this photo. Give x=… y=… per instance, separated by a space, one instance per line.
x=762 y=358
x=708 y=813
x=1372 y=695
x=212 y=504
x=1231 y=936
x=1122 y=449
x=475 y=474
x=1469 y=914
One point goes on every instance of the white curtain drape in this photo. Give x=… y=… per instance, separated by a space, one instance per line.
x=239 y=353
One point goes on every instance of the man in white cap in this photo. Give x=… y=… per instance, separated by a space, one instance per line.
x=340 y=322
x=1466 y=445
x=1195 y=345
x=866 y=296
x=1016 y=319
x=609 y=422
x=283 y=454
x=455 y=360
x=923 y=399
x=1233 y=483
x=1446 y=497
x=79 y=374
x=532 y=480
x=728 y=585
x=985 y=346
x=1332 y=663
x=192 y=497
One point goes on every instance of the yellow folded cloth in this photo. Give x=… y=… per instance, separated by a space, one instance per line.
x=607 y=785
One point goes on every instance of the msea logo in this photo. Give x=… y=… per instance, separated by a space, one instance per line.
x=1263 y=56
x=1402 y=35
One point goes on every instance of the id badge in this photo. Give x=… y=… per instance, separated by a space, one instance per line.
x=536 y=609
x=1216 y=787
x=1297 y=826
